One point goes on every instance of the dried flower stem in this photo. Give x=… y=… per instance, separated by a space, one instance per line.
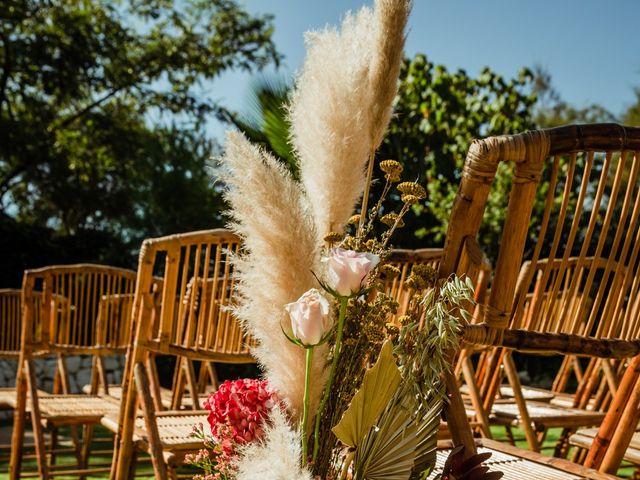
x=376 y=209
x=389 y=233
x=332 y=372
x=307 y=401
x=367 y=187
x=347 y=463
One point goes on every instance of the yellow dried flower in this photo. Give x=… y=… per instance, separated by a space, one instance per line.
x=409 y=199
x=374 y=333
x=415 y=282
x=354 y=220
x=412 y=188
x=392 y=167
x=404 y=319
x=349 y=242
x=390 y=219
x=389 y=270
x=333 y=237
x=392 y=177
x=426 y=272
x=392 y=329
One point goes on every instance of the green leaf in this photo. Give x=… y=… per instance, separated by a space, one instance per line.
x=378 y=386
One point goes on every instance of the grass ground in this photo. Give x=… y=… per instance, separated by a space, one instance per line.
x=144 y=470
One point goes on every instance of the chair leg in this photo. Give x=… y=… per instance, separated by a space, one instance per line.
x=124 y=452
x=512 y=375
x=146 y=402
x=87 y=438
x=36 y=422
x=17 y=436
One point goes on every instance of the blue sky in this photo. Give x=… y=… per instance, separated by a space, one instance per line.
x=590 y=47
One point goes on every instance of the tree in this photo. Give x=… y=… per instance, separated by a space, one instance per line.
x=438 y=114
x=102 y=109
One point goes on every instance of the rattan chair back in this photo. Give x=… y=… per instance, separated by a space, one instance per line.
x=85 y=309
x=581 y=279
x=10 y=322
x=191 y=313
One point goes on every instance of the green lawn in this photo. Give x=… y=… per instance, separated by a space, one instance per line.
x=144 y=470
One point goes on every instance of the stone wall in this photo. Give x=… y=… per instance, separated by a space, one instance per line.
x=78 y=367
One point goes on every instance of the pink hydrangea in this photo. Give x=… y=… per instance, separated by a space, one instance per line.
x=238 y=409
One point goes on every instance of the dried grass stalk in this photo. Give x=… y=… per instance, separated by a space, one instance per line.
x=390 y=18
x=329 y=114
x=277 y=457
x=270 y=213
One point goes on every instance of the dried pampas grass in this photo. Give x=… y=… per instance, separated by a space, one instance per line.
x=271 y=214
x=277 y=457
x=342 y=104
x=329 y=114
x=391 y=18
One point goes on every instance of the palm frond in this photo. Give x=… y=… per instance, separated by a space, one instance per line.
x=402 y=446
x=378 y=387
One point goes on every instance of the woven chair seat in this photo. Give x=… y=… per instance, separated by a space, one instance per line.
x=547 y=415
x=7 y=397
x=529 y=393
x=115 y=391
x=76 y=408
x=517 y=464
x=566 y=400
x=584 y=439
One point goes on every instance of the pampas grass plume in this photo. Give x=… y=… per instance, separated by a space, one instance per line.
x=329 y=114
x=271 y=214
x=276 y=457
x=390 y=18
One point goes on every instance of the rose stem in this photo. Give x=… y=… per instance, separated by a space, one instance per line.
x=334 y=363
x=305 y=413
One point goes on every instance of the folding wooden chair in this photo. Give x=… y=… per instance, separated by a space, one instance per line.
x=191 y=320
x=10 y=322
x=84 y=310
x=602 y=158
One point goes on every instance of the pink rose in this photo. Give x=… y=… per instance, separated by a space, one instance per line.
x=310 y=318
x=348 y=270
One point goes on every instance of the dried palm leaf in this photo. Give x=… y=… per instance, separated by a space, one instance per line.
x=402 y=446
x=378 y=386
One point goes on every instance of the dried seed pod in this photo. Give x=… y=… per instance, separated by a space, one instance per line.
x=412 y=188
x=354 y=220
x=333 y=237
x=389 y=270
x=391 y=167
x=390 y=219
x=409 y=199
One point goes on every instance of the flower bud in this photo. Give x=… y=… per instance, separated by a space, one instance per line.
x=310 y=319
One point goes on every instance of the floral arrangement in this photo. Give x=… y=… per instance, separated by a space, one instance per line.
x=359 y=390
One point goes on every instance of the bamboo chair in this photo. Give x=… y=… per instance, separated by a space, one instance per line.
x=194 y=327
x=615 y=292
x=85 y=310
x=616 y=439
x=9 y=337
